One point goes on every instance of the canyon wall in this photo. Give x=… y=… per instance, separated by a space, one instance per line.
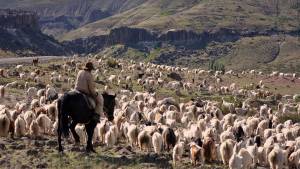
x=10 y=18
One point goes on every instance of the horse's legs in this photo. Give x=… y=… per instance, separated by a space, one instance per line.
x=90 y=127
x=75 y=135
x=60 y=148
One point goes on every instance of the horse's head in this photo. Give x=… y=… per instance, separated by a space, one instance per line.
x=109 y=105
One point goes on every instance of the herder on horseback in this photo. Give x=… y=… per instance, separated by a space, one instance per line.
x=75 y=107
x=86 y=85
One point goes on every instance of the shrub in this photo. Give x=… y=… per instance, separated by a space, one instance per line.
x=112 y=63
x=289 y=116
x=215 y=66
x=296 y=97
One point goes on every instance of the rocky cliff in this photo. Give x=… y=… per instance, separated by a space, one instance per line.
x=18 y=19
x=21 y=35
x=57 y=17
x=138 y=36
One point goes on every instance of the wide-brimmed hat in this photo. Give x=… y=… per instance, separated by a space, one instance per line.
x=89 y=66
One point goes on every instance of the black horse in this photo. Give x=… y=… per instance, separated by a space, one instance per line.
x=73 y=109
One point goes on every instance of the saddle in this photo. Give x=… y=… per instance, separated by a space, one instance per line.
x=89 y=100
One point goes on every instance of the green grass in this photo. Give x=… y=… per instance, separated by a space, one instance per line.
x=153 y=54
x=290 y=116
x=197 y=15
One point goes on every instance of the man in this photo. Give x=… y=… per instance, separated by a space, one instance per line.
x=85 y=84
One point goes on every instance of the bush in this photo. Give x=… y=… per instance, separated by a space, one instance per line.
x=112 y=63
x=289 y=116
x=296 y=97
x=215 y=66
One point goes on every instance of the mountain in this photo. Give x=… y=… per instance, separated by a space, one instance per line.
x=198 y=16
x=21 y=35
x=73 y=19
x=57 y=17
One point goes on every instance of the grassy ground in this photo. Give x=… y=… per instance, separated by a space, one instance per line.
x=265 y=53
x=28 y=153
x=42 y=153
x=6 y=54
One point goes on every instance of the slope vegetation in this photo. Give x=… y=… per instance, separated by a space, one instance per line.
x=198 y=15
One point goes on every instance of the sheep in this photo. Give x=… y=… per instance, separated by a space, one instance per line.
x=209 y=150
x=135 y=117
x=278 y=158
x=20 y=107
x=2 y=91
x=144 y=140
x=294 y=159
x=34 y=103
x=111 y=136
x=29 y=116
x=42 y=100
x=51 y=94
x=247 y=159
x=54 y=128
x=229 y=106
x=226 y=135
x=264 y=124
x=178 y=151
x=253 y=151
x=196 y=153
x=13 y=84
x=4 y=124
x=157 y=142
x=41 y=92
x=132 y=134
x=44 y=123
x=20 y=126
x=103 y=128
x=241 y=159
x=52 y=111
x=31 y=92
x=19 y=68
x=34 y=129
x=263 y=112
x=226 y=150
x=169 y=138
x=112 y=79
x=80 y=130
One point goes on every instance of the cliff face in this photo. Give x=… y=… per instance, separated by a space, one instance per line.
x=18 y=19
x=138 y=37
x=125 y=35
x=57 y=17
x=20 y=34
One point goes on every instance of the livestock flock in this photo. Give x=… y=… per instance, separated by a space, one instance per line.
x=239 y=125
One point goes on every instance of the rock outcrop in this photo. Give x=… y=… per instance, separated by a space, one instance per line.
x=18 y=19
x=21 y=35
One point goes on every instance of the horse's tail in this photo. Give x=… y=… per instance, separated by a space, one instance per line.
x=63 y=122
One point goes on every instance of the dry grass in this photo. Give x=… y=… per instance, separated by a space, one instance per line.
x=113 y=158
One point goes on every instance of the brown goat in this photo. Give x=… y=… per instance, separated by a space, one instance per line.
x=210 y=150
x=196 y=154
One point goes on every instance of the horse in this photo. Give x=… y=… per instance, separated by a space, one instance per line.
x=35 y=61
x=73 y=109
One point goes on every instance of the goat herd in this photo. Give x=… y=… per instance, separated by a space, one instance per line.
x=246 y=135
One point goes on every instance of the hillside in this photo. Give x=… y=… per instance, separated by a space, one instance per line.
x=20 y=35
x=198 y=16
x=61 y=16
x=73 y=19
